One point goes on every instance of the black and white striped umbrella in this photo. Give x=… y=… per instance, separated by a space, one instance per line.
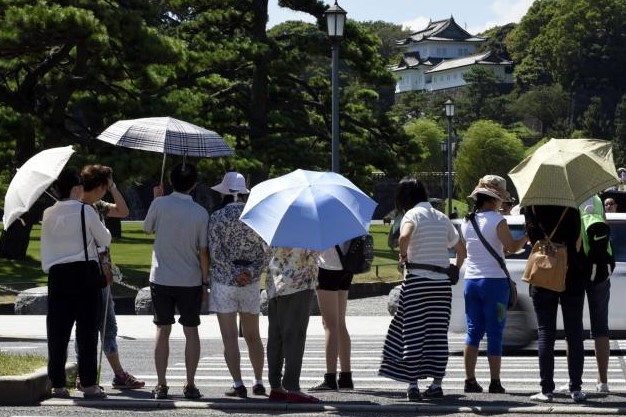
x=166 y=135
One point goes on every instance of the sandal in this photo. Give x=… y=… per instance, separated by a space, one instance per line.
x=60 y=393
x=94 y=392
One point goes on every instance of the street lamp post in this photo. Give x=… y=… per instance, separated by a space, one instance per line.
x=335 y=19
x=449 y=114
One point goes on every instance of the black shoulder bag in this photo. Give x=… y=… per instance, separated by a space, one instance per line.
x=512 y=285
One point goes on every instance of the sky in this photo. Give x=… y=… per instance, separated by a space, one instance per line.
x=473 y=15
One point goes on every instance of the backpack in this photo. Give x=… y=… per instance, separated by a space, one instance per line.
x=358 y=259
x=598 y=259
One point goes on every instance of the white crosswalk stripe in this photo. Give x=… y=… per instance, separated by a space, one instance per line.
x=519 y=373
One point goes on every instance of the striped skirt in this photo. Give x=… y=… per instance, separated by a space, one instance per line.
x=416 y=346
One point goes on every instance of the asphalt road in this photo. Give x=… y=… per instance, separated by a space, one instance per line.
x=520 y=376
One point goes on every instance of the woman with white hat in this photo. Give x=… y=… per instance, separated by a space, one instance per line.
x=238 y=256
x=486 y=283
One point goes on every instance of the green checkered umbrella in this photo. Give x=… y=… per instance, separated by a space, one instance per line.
x=565 y=172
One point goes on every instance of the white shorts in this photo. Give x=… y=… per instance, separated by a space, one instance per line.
x=232 y=299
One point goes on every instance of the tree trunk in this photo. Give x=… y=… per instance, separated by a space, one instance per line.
x=14 y=241
x=259 y=99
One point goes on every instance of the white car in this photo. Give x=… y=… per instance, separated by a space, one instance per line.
x=521 y=326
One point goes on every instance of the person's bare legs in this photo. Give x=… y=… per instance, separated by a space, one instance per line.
x=192 y=353
x=603 y=351
x=329 y=309
x=228 y=328
x=495 y=363
x=343 y=339
x=250 y=329
x=470 y=356
x=114 y=361
x=162 y=352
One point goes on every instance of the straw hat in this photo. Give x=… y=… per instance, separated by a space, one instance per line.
x=493 y=186
x=232 y=183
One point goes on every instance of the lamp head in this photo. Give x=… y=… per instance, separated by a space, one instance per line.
x=336 y=20
x=449 y=108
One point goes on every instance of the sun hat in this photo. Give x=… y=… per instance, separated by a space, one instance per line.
x=232 y=183
x=493 y=186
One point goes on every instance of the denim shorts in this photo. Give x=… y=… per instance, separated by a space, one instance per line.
x=598 y=296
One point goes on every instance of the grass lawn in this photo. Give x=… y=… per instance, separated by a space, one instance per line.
x=132 y=253
x=11 y=364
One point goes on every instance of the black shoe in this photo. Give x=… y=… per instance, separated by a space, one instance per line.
x=345 y=380
x=329 y=383
x=433 y=392
x=413 y=394
x=240 y=392
x=258 y=389
x=191 y=392
x=472 y=386
x=495 y=387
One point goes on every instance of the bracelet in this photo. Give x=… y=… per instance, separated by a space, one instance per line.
x=204 y=284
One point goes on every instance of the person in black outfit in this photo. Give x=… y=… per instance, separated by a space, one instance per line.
x=546 y=302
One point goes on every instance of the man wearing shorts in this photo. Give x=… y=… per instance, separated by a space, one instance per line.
x=238 y=256
x=179 y=272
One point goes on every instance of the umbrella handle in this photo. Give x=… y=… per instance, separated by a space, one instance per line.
x=163 y=167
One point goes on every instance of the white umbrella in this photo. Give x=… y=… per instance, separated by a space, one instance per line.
x=168 y=136
x=31 y=181
x=308 y=209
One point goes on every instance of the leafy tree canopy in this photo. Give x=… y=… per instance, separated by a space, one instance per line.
x=487 y=148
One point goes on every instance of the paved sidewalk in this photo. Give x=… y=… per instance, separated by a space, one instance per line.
x=141 y=327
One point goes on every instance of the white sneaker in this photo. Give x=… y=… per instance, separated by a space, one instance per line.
x=542 y=398
x=563 y=389
x=578 y=396
x=602 y=387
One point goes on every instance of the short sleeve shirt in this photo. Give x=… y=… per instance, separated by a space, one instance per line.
x=180 y=225
x=434 y=233
x=234 y=246
x=291 y=270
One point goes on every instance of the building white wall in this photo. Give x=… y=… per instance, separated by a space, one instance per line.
x=428 y=49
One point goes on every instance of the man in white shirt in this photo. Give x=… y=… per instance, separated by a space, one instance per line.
x=179 y=272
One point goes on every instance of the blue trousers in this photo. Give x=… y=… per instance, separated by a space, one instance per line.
x=486 y=301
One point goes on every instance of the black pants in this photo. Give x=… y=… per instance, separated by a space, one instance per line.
x=73 y=297
x=546 y=303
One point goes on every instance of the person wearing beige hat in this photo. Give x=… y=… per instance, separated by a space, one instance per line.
x=486 y=283
x=238 y=256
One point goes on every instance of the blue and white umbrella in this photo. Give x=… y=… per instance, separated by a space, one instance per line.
x=308 y=209
x=168 y=136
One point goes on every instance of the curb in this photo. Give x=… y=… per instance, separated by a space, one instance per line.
x=339 y=408
x=371 y=289
x=28 y=389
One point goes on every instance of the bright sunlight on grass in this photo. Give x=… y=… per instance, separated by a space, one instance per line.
x=11 y=364
x=132 y=253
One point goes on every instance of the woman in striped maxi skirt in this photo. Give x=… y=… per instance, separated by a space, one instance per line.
x=416 y=346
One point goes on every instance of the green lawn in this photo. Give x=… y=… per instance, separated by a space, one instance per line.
x=20 y=364
x=132 y=253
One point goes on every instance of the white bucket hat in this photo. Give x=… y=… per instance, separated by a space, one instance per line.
x=232 y=183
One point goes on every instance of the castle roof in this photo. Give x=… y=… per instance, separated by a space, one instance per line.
x=440 y=31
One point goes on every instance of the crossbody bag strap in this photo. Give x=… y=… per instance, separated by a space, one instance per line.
x=82 y=222
x=555 y=227
x=489 y=248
